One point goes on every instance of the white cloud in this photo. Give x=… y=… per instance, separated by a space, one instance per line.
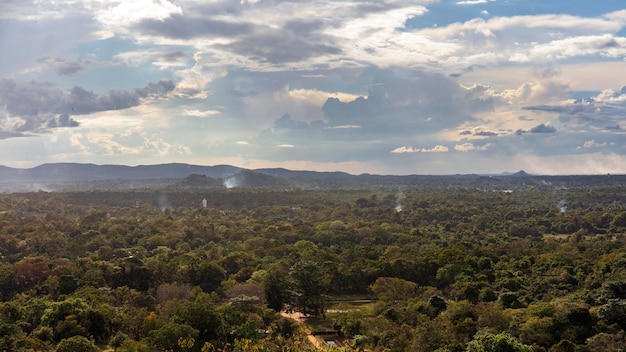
x=346 y=126
x=199 y=113
x=524 y=38
x=606 y=45
x=436 y=149
x=405 y=149
x=466 y=147
x=125 y=13
x=409 y=149
x=611 y=96
x=193 y=81
x=131 y=142
x=619 y=15
x=317 y=97
x=594 y=144
x=286 y=146
x=163 y=59
x=473 y=2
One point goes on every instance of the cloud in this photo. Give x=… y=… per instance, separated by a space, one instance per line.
x=64 y=120
x=292 y=43
x=521 y=39
x=541 y=128
x=287 y=123
x=49 y=38
x=318 y=97
x=425 y=108
x=594 y=144
x=409 y=149
x=606 y=45
x=135 y=141
x=541 y=90
x=602 y=112
x=322 y=81
x=64 y=67
x=178 y=26
x=436 y=149
x=346 y=126
x=473 y=2
x=424 y=102
x=466 y=147
x=25 y=11
x=163 y=59
x=199 y=113
x=270 y=35
x=485 y=133
x=81 y=101
x=405 y=149
x=35 y=107
x=129 y=12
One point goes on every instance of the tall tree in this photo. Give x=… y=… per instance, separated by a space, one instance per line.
x=310 y=285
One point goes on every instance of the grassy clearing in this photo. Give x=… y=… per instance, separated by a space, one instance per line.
x=339 y=305
x=351 y=303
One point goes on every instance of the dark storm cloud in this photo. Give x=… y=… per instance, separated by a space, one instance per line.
x=541 y=128
x=485 y=134
x=81 y=101
x=292 y=43
x=563 y=109
x=187 y=27
x=296 y=41
x=64 y=120
x=40 y=106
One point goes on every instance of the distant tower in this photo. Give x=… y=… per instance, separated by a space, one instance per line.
x=204 y=203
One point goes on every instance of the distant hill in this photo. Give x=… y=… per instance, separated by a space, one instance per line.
x=195 y=180
x=65 y=176
x=248 y=179
x=88 y=172
x=520 y=173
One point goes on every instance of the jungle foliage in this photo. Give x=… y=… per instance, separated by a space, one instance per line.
x=450 y=268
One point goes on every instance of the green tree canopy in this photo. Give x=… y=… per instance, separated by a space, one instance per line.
x=501 y=342
x=76 y=344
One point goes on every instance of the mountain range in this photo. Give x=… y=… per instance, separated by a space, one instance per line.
x=63 y=176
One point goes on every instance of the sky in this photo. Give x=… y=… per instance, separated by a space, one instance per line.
x=381 y=87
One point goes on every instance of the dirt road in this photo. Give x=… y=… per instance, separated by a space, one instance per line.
x=299 y=318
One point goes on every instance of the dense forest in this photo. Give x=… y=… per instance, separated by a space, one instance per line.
x=380 y=269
